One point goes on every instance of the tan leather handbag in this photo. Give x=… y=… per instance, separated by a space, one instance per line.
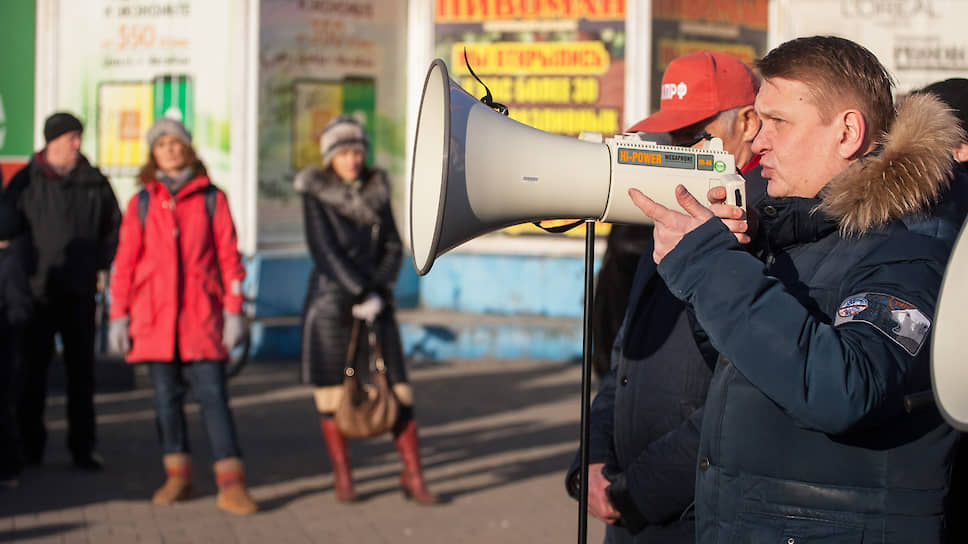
x=370 y=409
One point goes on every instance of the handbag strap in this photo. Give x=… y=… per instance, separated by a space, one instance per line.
x=375 y=350
x=348 y=369
x=380 y=365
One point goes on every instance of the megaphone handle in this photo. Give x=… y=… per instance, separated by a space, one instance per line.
x=916 y=401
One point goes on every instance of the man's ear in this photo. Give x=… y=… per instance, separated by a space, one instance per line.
x=748 y=123
x=961 y=152
x=853 y=132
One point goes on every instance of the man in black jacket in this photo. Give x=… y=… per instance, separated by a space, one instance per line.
x=73 y=219
x=645 y=418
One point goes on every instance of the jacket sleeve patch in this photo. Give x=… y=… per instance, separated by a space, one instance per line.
x=899 y=320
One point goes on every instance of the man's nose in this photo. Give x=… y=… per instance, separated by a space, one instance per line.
x=759 y=144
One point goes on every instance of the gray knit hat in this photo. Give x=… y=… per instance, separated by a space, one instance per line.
x=342 y=133
x=167 y=125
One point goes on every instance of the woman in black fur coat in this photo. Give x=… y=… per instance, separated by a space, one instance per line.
x=356 y=251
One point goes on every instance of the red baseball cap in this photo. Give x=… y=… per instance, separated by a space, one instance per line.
x=698 y=86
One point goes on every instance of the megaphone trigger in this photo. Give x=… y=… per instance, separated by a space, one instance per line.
x=735 y=191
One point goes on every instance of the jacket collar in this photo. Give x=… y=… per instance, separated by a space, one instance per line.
x=907 y=174
x=80 y=172
x=790 y=221
x=197 y=183
x=361 y=204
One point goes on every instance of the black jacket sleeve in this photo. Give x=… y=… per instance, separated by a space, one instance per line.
x=16 y=297
x=601 y=425
x=324 y=249
x=110 y=225
x=660 y=484
x=389 y=257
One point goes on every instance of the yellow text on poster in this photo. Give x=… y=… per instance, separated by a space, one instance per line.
x=537 y=90
x=548 y=58
x=464 y=11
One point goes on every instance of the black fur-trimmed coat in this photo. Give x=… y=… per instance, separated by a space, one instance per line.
x=356 y=250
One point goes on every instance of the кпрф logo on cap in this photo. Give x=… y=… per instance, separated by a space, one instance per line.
x=671 y=90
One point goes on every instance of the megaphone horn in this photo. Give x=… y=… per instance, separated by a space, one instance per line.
x=493 y=172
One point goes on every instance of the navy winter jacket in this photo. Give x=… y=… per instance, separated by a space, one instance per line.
x=804 y=435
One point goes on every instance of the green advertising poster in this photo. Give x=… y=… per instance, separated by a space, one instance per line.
x=16 y=82
x=317 y=62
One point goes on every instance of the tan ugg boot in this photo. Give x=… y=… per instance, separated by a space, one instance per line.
x=178 y=485
x=232 y=495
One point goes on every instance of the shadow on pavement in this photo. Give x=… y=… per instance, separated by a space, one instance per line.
x=466 y=412
x=37 y=532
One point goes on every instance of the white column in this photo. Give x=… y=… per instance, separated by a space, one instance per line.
x=420 y=50
x=45 y=65
x=638 y=61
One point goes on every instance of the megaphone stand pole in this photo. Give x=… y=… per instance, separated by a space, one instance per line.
x=586 y=378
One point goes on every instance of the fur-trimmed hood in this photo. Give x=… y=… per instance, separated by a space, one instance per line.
x=360 y=203
x=906 y=177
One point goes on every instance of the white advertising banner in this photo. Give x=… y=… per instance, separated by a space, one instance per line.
x=919 y=41
x=121 y=64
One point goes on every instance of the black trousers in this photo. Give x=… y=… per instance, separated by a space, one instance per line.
x=10 y=454
x=73 y=317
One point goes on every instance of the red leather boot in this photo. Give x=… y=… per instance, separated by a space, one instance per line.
x=411 y=479
x=336 y=444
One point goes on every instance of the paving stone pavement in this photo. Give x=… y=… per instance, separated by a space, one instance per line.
x=496 y=437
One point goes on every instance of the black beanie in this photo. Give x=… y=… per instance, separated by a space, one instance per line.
x=954 y=93
x=11 y=223
x=61 y=123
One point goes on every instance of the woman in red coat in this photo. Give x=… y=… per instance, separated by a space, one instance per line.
x=176 y=303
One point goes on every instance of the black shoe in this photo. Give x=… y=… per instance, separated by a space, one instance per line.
x=89 y=461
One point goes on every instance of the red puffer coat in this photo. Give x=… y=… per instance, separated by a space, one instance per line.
x=177 y=273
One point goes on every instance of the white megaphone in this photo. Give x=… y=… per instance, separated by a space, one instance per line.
x=475 y=171
x=949 y=361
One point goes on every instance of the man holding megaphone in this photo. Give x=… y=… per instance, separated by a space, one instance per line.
x=805 y=435
x=644 y=428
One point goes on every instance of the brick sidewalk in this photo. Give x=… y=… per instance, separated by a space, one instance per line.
x=496 y=437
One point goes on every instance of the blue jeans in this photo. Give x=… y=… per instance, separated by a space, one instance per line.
x=207 y=380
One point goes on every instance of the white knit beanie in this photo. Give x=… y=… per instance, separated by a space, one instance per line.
x=342 y=133
x=167 y=125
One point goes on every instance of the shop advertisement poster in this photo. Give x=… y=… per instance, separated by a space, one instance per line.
x=918 y=41
x=737 y=27
x=124 y=63
x=319 y=59
x=558 y=66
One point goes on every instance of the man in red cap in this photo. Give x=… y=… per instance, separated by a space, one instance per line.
x=704 y=95
x=646 y=416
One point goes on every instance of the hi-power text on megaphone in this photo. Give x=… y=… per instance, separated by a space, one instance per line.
x=475 y=171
